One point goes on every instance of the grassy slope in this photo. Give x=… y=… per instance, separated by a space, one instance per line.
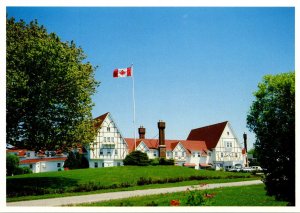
x=104 y=176
x=254 y=195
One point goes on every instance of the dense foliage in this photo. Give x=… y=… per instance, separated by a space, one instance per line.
x=272 y=119
x=76 y=160
x=136 y=158
x=12 y=163
x=161 y=161
x=49 y=88
x=12 y=166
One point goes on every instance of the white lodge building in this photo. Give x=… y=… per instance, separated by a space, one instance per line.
x=215 y=145
x=221 y=140
x=109 y=147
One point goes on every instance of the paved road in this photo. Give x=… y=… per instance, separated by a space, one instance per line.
x=125 y=194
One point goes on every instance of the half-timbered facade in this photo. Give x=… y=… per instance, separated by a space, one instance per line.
x=215 y=145
x=220 y=139
x=109 y=147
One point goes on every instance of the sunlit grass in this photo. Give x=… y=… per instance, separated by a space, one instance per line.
x=253 y=195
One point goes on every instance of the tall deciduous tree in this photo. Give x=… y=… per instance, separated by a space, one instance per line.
x=49 y=88
x=272 y=119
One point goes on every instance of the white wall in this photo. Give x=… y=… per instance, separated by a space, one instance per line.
x=228 y=150
x=45 y=166
x=108 y=144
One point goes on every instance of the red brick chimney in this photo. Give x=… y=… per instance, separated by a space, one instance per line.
x=162 y=146
x=142 y=132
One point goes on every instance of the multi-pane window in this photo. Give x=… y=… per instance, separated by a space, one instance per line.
x=59 y=165
x=176 y=153
x=96 y=164
x=112 y=139
x=104 y=139
x=108 y=139
x=198 y=154
x=116 y=151
x=101 y=151
x=108 y=129
x=221 y=154
x=183 y=154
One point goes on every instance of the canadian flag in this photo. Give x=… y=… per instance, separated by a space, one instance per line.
x=121 y=73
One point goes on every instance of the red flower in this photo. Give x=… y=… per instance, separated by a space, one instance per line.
x=209 y=195
x=174 y=203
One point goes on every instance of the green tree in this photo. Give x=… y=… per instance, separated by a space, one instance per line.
x=76 y=161
x=49 y=89
x=136 y=158
x=12 y=164
x=272 y=119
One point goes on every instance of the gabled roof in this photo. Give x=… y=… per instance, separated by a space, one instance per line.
x=194 y=145
x=150 y=143
x=170 y=144
x=210 y=134
x=27 y=161
x=99 y=120
x=19 y=152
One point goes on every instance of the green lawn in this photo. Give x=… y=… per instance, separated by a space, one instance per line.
x=253 y=195
x=86 y=181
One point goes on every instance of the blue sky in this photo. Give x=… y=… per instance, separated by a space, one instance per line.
x=193 y=66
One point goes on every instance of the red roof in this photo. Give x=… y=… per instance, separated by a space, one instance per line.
x=170 y=144
x=189 y=164
x=204 y=165
x=210 y=134
x=99 y=120
x=150 y=143
x=27 y=161
x=20 y=152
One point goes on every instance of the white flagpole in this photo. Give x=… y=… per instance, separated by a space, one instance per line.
x=133 y=106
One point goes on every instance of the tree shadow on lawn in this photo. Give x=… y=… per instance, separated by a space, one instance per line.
x=38 y=186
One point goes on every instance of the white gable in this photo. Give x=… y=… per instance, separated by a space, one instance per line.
x=142 y=147
x=228 y=139
x=109 y=143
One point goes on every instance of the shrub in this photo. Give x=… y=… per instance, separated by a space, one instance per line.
x=24 y=170
x=136 y=158
x=163 y=161
x=194 y=198
x=154 y=162
x=144 y=181
x=12 y=164
x=76 y=161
